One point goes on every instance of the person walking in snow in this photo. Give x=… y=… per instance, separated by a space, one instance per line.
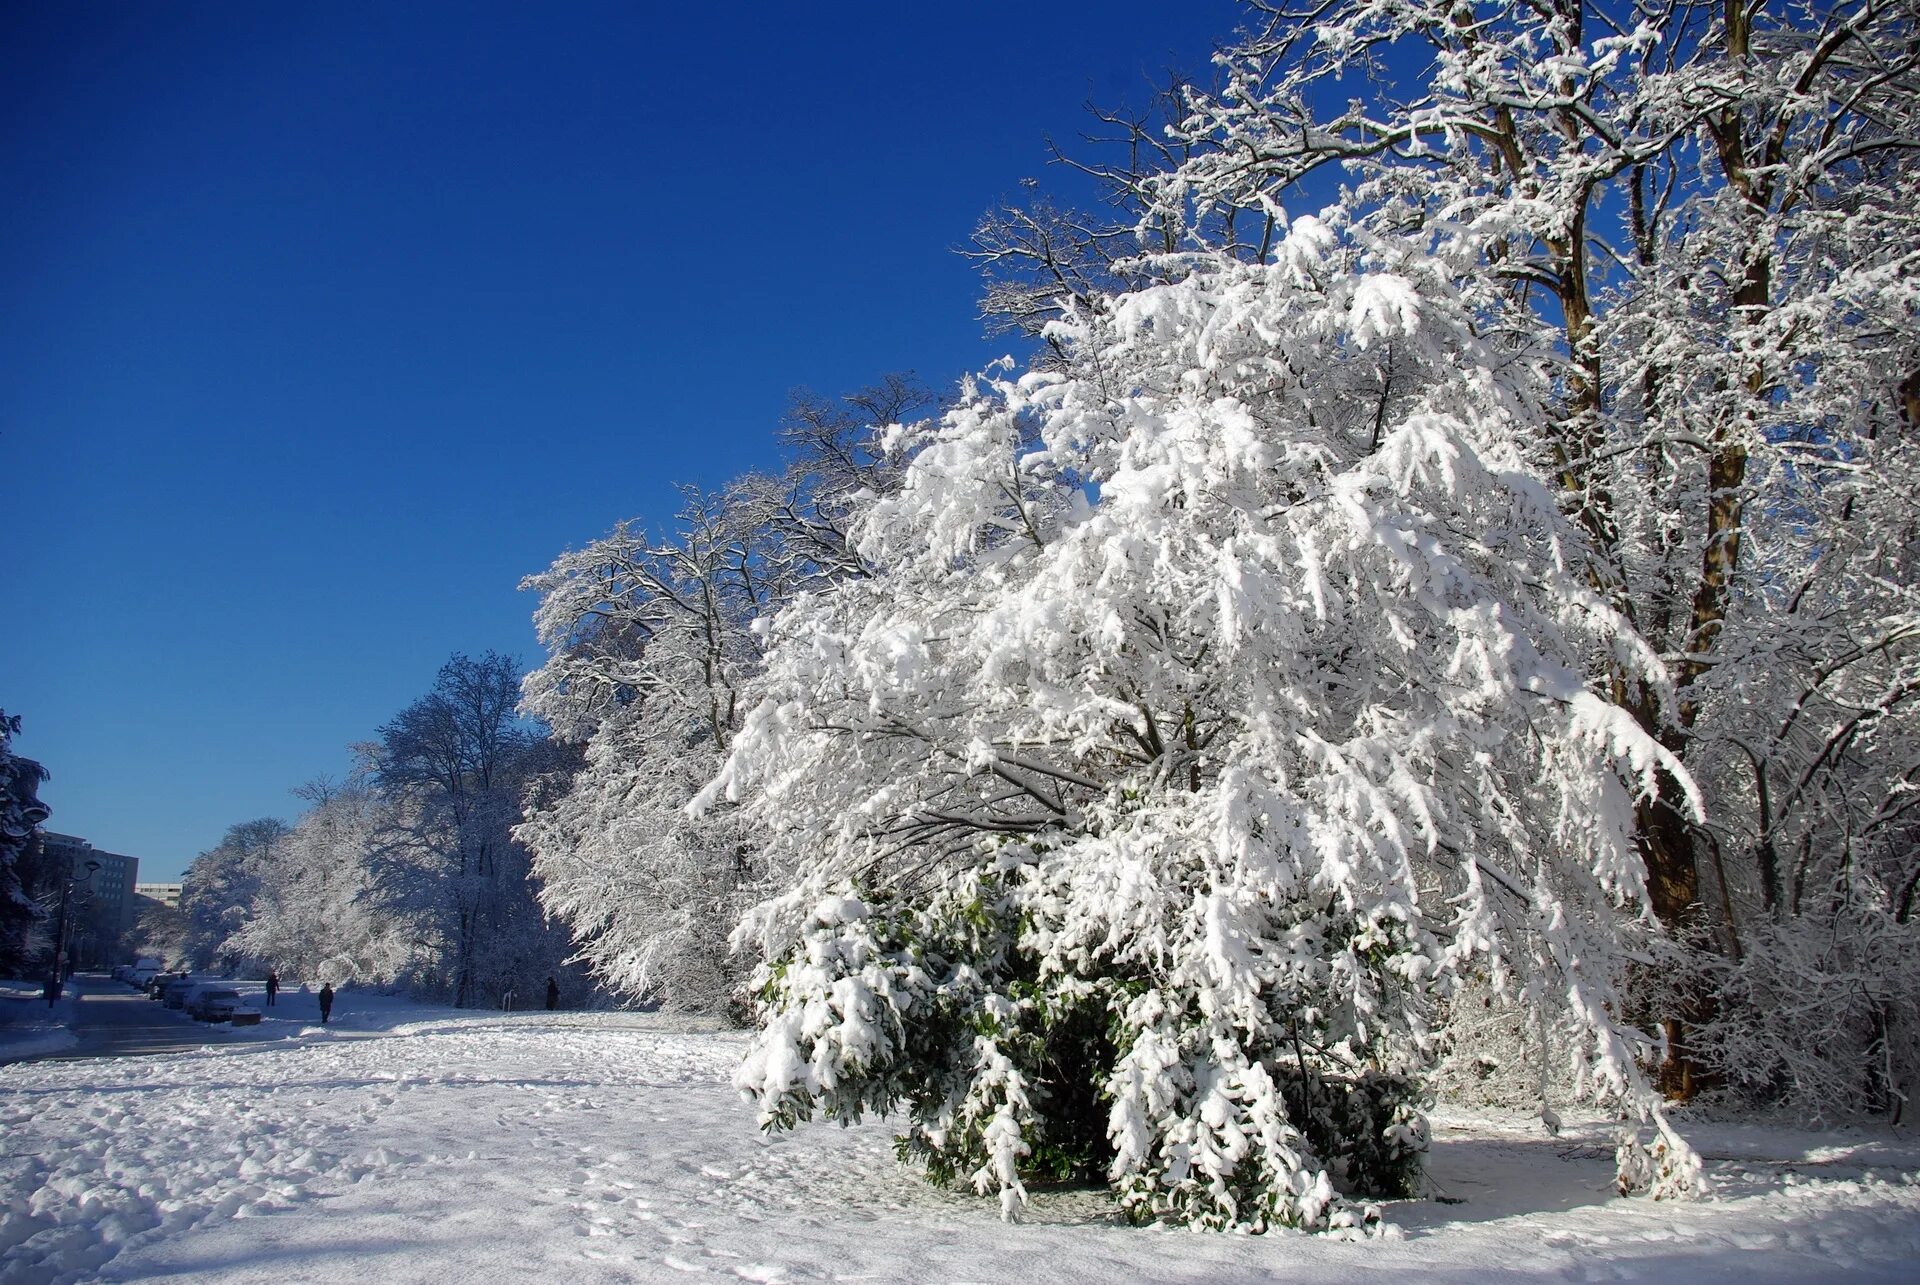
x=553 y=994
x=326 y=1002
x=273 y=987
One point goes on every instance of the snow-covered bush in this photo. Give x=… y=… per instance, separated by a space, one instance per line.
x=1008 y=1067
x=1214 y=709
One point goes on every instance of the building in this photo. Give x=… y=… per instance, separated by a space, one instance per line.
x=102 y=900
x=165 y=893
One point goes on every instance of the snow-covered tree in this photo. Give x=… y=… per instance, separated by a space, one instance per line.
x=1217 y=707
x=159 y=932
x=218 y=889
x=21 y=814
x=1706 y=219
x=317 y=912
x=407 y=875
x=452 y=768
x=650 y=643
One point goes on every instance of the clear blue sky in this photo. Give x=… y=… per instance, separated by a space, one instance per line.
x=324 y=324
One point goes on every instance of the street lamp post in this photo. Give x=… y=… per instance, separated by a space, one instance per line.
x=64 y=929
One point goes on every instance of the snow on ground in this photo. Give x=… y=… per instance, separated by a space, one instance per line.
x=609 y=1147
x=28 y=1026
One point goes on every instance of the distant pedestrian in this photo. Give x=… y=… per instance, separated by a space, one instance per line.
x=553 y=994
x=273 y=987
x=326 y=1002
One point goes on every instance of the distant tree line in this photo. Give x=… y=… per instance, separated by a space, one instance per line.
x=406 y=874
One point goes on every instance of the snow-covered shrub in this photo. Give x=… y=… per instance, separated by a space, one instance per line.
x=1012 y=1070
x=1217 y=689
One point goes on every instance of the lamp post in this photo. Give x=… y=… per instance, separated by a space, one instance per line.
x=64 y=929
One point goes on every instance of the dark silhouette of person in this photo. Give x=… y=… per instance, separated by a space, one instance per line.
x=273 y=987
x=553 y=994
x=326 y=1002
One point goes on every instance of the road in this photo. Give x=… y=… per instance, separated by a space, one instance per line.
x=114 y=1020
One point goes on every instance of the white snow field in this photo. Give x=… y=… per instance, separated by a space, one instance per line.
x=611 y=1147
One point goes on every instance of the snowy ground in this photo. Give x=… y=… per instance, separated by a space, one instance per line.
x=608 y=1147
x=28 y=1025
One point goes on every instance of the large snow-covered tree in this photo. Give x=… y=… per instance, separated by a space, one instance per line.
x=650 y=645
x=317 y=911
x=1706 y=218
x=1216 y=707
x=21 y=814
x=453 y=767
x=217 y=892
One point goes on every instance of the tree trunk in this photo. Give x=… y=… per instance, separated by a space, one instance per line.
x=1673 y=891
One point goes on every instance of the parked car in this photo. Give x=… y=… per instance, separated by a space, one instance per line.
x=158 y=983
x=178 y=991
x=139 y=977
x=213 y=1003
x=218 y=1004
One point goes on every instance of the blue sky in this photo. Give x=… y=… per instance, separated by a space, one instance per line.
x=323 y=325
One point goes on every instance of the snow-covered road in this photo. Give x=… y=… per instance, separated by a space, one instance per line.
x=610 y=1148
